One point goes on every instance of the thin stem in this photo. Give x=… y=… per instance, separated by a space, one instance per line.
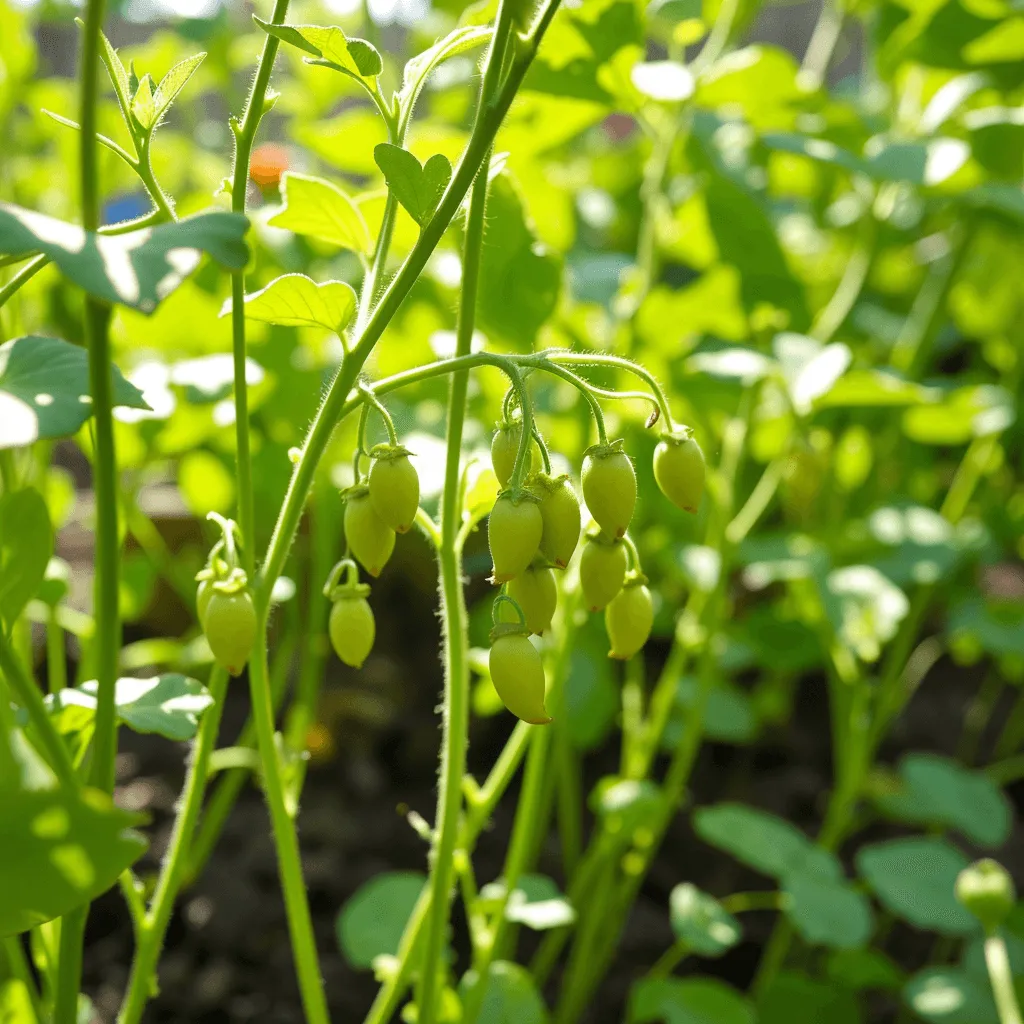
x=604 y=359
x=455 y=720
x=17 y=966
x=587 y=391
x=154 y=925
x=245 y=134
x=822 y=46
x=520 y=844
x=373 y=400
x=300 y=923
x=1001 y=977
x=858 y=263
x=29 y=697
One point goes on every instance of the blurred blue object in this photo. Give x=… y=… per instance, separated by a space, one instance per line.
x=126 y=207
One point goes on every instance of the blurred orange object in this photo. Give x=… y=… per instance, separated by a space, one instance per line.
x=269 y=162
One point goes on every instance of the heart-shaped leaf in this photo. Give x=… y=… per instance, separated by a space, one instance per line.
x=60 y=851
x=138 y=269
x=44 y=390
x=330 y=46
x=418 y=187
x=294 y=300
x=313 y=206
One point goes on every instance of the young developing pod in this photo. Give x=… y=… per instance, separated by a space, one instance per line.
x=602 y=571
x=517 y=673
x=203 y=594
x=505 y=448
x=560 y=514
x=609 y=487
x=351 y=625
x=394 y=486
x=679 y=469
x=629 y=617
x=513 y=534
x=536 y=593
x=230 y=627
x=369 y=538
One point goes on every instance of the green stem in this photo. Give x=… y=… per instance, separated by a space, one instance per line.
x=153 y=927
x=226 y=792
x=300 y=924
x=29 y=697
x=69 y=966
x=521 y=843
x=1001 y=977
x=822 y=46
x=455 y=721
x=245 y=134
x=670 y=959
x=17 y=967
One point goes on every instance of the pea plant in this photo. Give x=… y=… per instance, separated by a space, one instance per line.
x=760 y=312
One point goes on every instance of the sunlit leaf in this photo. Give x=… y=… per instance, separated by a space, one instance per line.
x=44 y=390
x=294 y=300
x=354 y=57
x=137 y=269
x=316 y=207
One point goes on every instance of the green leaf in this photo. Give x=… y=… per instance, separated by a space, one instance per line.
x=294 y=300
x=865 y=607
x=418 y=69
x=354 y=57
x=418 y=187
x=700 y=921
x=809 y=368
x=996 y=627
x=939 y=791
x=26 y=544
x=60 y=850
x=137 y=269
x=860 y=969
x=511 y=997
x=169 y=705
x=144 y=104
x=949 y=995
x=625 y=805
x=793 y=999
x=690 y=1001
x=313 y=206
x=116 y=71
x=914 y=879
x=826 y=911
x=537 y=903
x=758 y=839
x=969 y=412
x=520 y=278
x=372 y=920
x=868 y=388
x=746 y=238
x=174 y=81
x=44 y=390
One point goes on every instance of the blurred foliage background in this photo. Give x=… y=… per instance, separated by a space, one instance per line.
x=817 y=236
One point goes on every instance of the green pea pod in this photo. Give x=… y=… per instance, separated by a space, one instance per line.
x=629 y=617
x=536 y=593
x=370 y=539
x=560 y=514
x=609 y=487
x=517 y=673
x=602 y=571
x=679 y=470
x=514 y=530
x=394 y=486
x=351 y=625
x=230 y=627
